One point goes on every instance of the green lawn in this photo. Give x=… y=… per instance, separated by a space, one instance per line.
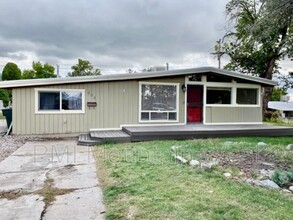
x=142 y=181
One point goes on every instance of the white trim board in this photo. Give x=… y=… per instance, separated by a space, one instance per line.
x=134 y=125
x=235 y=123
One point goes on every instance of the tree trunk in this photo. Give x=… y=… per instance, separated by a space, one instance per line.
x=268 y=90
x=266 y=98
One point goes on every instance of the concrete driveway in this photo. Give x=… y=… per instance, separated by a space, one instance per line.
x=50 y=180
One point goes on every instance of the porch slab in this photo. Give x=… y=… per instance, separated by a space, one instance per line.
x=193 y=131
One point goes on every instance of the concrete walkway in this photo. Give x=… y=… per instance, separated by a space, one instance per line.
x=50 y=180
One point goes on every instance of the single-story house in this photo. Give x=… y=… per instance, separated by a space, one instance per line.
x=285 y=108
x=76 y=104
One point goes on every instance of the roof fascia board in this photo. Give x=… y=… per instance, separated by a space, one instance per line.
x=119 y=77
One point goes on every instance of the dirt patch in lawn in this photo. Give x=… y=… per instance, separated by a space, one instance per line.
x=248 y=162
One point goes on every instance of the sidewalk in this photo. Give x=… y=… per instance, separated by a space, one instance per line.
x=50 y=180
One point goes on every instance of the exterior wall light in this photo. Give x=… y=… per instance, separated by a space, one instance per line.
x=183 y=87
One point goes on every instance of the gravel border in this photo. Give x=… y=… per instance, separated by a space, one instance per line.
x=10 y=143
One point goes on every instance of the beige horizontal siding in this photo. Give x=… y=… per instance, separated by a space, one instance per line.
x=233 y=114
x=117 y=104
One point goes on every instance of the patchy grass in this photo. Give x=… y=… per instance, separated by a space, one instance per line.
x=11 y=195
x=1 y=116
x=49 y=192
x=142 y=181
x=281 y=123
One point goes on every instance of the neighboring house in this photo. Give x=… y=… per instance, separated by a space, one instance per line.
x=76 y=104
x=285 y=108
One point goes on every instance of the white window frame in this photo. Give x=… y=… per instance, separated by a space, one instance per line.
x=177 y=102
x=258 y=94
x=61 y=111
x=220 y=88
x=234 y=86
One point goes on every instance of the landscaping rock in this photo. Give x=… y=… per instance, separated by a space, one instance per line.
x=291 y=188
x=261 y=144
x=289 y=147
x=241 y=173
x=266 y=173
x=286 y=191
x=227 y=175
x=266 y=183
x=260 y=177
x=194 y=163
x=181 y=159
x=174 y=148
x=268 y=164
x=208 y=165
x=250 y=181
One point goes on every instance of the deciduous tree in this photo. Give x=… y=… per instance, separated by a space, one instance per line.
x=261 y=36
x=11 y=72
x=277 y=94
x=83 y=68
x=39 y=71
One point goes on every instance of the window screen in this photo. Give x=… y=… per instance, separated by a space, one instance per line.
x=49 y=100
x=246 y=96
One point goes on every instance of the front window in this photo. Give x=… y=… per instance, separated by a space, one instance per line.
x=159 y=102
x=71 y=101
x=57 y=101
x=246 y=96
x=218 y=95
x=49 y=101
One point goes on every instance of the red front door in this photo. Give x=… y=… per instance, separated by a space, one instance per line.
x=194 y=103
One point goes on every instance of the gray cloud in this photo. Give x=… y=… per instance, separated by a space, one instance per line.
x=112 y=33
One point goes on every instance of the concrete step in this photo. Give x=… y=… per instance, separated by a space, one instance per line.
x=86 y=140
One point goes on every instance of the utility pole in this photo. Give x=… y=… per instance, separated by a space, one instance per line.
x=57 y=70
x=219 y=53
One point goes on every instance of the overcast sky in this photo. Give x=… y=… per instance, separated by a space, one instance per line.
x=114 y=35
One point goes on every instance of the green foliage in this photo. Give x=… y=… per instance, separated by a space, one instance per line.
x=39 y=71
x=5 y=96
x=11 y=72
x=283 y=178
x=261 y=36
x=272 y=116
x=277 y=93
x=83 y=68
x=28 y=74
